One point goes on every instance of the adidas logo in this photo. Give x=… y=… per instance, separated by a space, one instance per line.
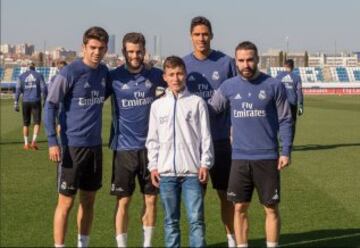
x=238 y=96
x=287 y=79
x=125 y=87
x=191 y=78
x=30 y=79
x=86 y=85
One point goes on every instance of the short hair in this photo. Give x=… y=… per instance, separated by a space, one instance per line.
x=62 y=62
x=247 y=45
x=136 y=38
x=97 y=33
x=32 y=66
x=174 y=61
x=200 y=20
x=289 y=63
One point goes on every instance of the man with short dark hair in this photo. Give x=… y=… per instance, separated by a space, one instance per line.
x=259 y=113
x=293 y=88
x=207 y=69
x=134 y=88
x=81 y=88
x=31 y=86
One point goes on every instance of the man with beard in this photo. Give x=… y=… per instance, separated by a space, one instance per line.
x=134 y=88
x=259 y=112
x=206 y=70
x=81 y=88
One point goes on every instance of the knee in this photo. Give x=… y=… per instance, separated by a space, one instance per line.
x=123 y=203
x=272 y=211
x=150 y=201
x=87 y=202
x=65 y=204
x=196 y=218
x=241 y=207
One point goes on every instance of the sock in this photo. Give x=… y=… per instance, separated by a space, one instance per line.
x=59 y=246
x=231 y=240
x=147 y=235
x=83 y=240
x=34 y=137
x=271 y=244
x=121 y=240
x=26 y=140
x=245 y=245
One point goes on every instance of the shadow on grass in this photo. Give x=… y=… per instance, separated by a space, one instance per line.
x=17 y=142
x=319 y=238
x=312 y=147
x=12 y=142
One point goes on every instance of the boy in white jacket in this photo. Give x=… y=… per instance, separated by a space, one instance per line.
x=180 y=153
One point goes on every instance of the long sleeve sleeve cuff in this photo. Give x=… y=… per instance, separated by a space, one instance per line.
x=52 y=141
x=286 y=150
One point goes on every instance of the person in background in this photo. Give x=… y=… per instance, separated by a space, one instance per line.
x=31 y=86
x=294 y=92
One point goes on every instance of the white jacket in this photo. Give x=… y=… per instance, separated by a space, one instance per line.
x=179 y=139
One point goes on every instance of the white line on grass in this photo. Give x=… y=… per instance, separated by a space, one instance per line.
x=319 y=240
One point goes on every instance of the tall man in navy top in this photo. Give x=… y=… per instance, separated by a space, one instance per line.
x=31 y=86
x=206 y=70
x=81 y=87
x=293 y=88
x=134 y=88
x=259 y=112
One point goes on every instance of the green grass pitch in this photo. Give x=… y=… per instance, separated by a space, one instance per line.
x=320 y=190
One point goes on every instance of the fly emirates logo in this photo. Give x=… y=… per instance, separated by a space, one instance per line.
x=139 y=100
x=248 y=111
x=95 y=98
x=204 y=91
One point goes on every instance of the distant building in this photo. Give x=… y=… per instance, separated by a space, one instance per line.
x=111 y=44
x=271 y=58
x=332 y=60
x=26 y=49
x=299 y=59
x=358 y=56
x=62 y=53
x=7 y=49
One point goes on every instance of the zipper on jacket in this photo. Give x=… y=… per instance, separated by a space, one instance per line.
x=174 y=119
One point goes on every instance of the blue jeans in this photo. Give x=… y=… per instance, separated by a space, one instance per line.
x=171 y=189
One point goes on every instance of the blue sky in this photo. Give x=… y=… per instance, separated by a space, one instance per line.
x=313 y=25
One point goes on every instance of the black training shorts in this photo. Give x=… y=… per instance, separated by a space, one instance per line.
x=126 y=166
x=34 y=109
x=220 y=172
x=80 y=168
x=246 y=175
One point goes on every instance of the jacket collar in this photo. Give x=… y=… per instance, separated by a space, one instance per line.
x=181 y=94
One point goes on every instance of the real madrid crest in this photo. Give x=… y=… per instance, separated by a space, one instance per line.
x=148 y=84
x=262 y=95
x=215 y=76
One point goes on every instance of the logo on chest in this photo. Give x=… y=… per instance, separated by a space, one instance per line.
x=215 y=76
x=262 y=95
